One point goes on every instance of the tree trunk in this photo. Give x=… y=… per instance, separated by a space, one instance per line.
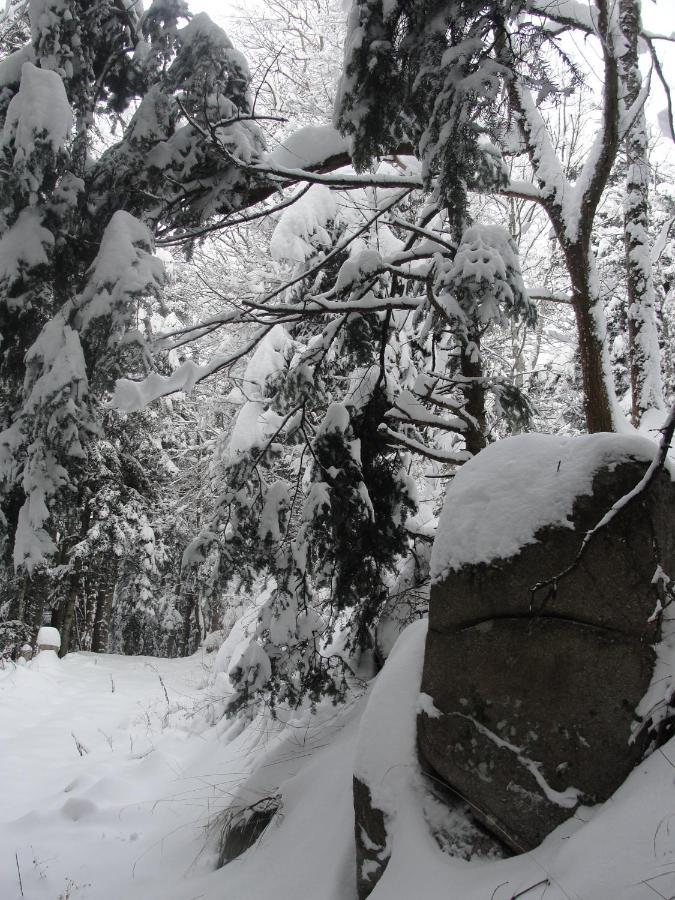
x=471 y=367
x=595 y=366
x=104 y=599
x=31 y=596
x=646 y=381
x=187 y=624
x=35 y=607
x=68 y=620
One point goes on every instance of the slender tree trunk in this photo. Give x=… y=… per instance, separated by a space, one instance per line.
x=590 y=318
x=68 y=620
x=38 y=600
x=104 y=599
x=646 y=382
x=572 y=216
x=187 y=624
x=90 y=604
x=20 y=604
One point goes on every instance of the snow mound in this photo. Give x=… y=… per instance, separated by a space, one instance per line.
x=501 y=498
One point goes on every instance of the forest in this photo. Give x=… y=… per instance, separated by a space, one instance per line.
x=337 y=390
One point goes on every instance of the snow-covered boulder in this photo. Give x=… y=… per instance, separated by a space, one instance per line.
x=547 y=700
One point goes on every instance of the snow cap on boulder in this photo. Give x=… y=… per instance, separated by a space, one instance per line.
x=499 y=500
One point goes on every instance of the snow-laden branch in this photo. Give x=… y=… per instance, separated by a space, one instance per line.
x=456 y=457
x=662 y=240
x=409 y=410
x=131 y=396
x=567 y=13
x=345 y=181
x=540 y=293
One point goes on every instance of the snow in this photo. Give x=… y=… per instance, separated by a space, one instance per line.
x=11 y=65
x=308 y=147
x=124 y=269
x=56 y=378
x=24 y=246
x=49 y=636
x=133 y=816
x=487 y=266
x=40 y=110
x=109 y=790
x=306 y=219
x=500 y=499
x=254 y=426
x=131 y=396
x=269 y=358
x=385 y=751
x=358 y=268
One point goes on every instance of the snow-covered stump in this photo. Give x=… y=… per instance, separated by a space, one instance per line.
x=48 y=639
x=547 y=701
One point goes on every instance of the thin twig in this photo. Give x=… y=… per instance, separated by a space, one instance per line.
x=544 y=881
x=18 y=869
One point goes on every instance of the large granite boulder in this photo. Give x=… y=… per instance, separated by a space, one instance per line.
x=541 y=703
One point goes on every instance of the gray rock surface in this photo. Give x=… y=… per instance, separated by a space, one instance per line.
x=539 y=699
x=370 y=835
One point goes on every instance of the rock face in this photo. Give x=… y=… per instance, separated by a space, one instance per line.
x=538 y=705
x=242 y=826
x=370 y=834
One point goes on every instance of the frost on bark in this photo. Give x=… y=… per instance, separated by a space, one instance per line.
x=645 y=370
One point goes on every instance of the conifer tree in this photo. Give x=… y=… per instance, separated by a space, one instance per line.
x=76 y=231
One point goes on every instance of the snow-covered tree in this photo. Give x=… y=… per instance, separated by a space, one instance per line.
x=76 y=225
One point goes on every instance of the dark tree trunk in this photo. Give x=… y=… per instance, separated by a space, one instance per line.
x=471 y=367
x=646 y=381
x=186 y=632
x=68 y=621
x=104 y=599
x=31 y=599
x=597 y=404
x=38 y=600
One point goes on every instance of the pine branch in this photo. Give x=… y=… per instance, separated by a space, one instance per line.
x=456 y=457
x=227 y=222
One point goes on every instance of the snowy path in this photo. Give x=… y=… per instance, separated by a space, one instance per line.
x=127 y=818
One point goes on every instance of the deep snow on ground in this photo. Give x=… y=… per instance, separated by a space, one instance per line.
x=129 y=816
